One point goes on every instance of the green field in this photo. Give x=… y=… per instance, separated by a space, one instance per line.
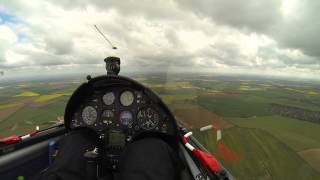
x=261 y=155
x=299 y=135
x=25 y=106
x=242 y=106
x=267 y=145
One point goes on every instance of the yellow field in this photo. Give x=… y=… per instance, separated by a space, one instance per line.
x=245 y=83
x=27 y=94
x=140 y=79
x=22 y=85
x=76 y=82
x=308 y=92
x=312 y=93
x=266 y=85
x=50 y=97
x=6 y=106
x=248 y=88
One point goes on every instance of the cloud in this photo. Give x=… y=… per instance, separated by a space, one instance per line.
x=205 y=35
x=299 y=28
x=290 y=22
x=59 y=45
x=7 y=39
x=257 y=15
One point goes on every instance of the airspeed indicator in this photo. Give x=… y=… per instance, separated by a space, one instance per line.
x=89 y=115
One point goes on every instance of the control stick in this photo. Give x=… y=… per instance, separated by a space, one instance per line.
x=92 y=163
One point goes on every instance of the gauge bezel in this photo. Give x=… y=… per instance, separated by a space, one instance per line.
x=111 y=118
x=96 y=114
x=133 y=95
x=105 y=94
x=130 y=122
x=140 y=123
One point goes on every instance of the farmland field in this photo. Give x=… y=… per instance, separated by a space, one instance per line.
x=257 y=142
x=24 y=106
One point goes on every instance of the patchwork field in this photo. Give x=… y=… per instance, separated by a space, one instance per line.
x=259 y=154
x=263 y=145
x=256 y=143
x=25 y=106
x=299 y=135
x=27 y=94
x=197 y=117
x=49 y=97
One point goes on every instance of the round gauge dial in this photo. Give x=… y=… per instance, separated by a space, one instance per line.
x=148 y=118
x=126 y=98
x=126 y=118
x=107 y=116
x=108 y=98
x=89 y=115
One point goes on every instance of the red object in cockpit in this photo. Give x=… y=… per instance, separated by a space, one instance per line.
x=208 y=160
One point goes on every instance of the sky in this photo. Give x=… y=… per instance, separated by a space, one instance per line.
x=267 y=37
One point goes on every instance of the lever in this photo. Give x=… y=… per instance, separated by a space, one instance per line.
x=92 y=163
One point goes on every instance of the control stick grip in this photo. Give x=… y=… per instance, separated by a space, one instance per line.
x=92 y=164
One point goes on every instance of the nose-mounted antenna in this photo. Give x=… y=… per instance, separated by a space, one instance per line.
x=112 y=62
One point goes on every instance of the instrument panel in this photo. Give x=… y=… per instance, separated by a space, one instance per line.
x=120 y=109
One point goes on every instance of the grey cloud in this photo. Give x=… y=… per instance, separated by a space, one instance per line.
x=181 y=60
x=226 y=53
x=220 y=19
x=273 y=53
x=253 y=14
x=300 y=30
x=153 y=9
x=172 y=37
x=49 y=59
x=43 y=59
x=304 y=60
x=59 y=45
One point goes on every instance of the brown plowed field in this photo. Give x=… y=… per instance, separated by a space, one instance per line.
x=7 y=112
x=197 y=117
x=312 y=156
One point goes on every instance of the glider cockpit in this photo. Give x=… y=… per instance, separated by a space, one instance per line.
x=119 y=110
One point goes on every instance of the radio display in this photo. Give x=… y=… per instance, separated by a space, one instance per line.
x=117 y=139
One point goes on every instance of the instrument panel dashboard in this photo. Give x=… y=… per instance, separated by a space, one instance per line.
x=121 y=109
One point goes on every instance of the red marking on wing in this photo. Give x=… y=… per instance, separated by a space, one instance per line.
x=227 y=154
